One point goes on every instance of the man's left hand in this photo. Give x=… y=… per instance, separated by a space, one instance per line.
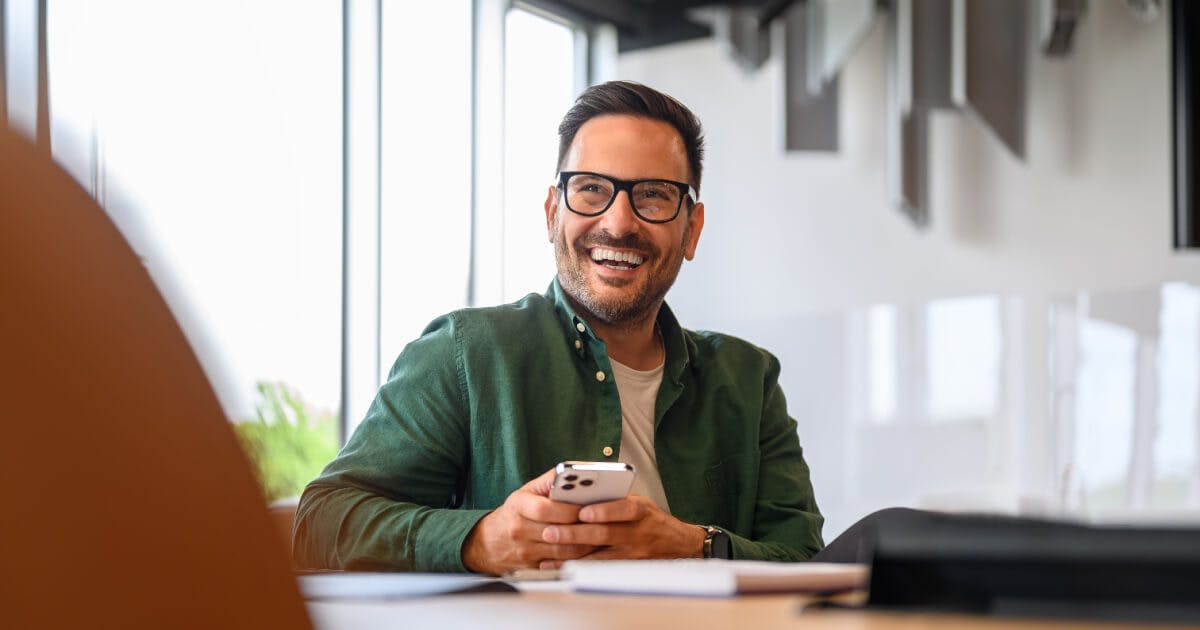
x=630 y=528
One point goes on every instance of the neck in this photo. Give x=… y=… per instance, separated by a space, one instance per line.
x=635 y=344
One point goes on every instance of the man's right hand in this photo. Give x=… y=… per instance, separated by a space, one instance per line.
x=511 y=536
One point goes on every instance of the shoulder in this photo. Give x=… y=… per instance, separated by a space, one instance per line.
x=721 y=354
x=490 y=328
x=467 y=323
x=452 y=337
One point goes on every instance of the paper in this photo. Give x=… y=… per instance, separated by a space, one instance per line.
x=712 y=578
x=394 y=585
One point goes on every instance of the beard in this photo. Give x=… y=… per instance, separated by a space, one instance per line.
x=641 y=297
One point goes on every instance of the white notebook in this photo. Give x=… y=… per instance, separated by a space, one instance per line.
x=712 y=578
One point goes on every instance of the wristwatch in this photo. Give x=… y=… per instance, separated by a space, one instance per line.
x=716 y=543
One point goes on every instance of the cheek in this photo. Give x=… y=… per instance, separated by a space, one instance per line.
x=570 y=231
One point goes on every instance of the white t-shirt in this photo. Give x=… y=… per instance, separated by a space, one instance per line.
x=639 y=391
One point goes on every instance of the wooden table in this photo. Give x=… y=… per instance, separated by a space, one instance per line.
x=581 y=611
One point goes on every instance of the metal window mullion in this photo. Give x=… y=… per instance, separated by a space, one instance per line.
x=486 y=283
x=361 y=213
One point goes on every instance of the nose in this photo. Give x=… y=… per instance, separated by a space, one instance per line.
x=620 y=220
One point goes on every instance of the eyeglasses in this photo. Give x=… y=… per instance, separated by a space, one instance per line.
x=653 y=200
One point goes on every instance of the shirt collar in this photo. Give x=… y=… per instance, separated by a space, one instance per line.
x=672 y=333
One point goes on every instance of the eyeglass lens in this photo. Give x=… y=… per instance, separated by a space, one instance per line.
x=653 y=200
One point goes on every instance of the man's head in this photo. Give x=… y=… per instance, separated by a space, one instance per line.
x=634 y=99
x=618 y=261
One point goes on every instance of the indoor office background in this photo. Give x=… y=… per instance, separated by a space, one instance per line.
x=311 y=183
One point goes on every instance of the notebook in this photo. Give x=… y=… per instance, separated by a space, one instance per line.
x=712 y=578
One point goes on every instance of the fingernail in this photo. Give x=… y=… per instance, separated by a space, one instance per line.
x=585 y=514
x=550 y=534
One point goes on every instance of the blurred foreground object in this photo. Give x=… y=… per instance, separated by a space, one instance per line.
x=127 y=502
x=1021 y=567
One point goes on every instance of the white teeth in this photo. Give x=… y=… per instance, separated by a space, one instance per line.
x=600 y=254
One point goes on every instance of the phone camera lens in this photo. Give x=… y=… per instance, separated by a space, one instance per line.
x=586 y=482
x=568 y=486
x=571 y=477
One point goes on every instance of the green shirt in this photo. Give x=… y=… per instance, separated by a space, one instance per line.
x=489 y=398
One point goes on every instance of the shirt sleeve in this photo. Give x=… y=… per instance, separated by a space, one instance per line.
x=787 y=522
x=389 y=499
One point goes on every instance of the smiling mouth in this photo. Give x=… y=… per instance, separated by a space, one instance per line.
x=614 y=259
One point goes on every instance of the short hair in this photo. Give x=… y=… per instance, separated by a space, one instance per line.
x=634 y=99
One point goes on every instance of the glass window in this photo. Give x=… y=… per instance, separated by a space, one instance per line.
x=425 y=256
x=963 y=343
x=1104 y=413
x=1176 y=460
x=539 y=88
x=882 y=400
x=20 y=24
x=214 y=129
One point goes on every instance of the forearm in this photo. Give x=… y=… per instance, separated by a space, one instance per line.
x=803 y=541
x=344 y=527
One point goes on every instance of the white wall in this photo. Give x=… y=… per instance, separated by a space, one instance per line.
x=795 y=244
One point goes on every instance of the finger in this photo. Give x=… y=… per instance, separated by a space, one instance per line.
x=612 y=553
x=547 y=551
x=550 y=565
x=630 y=508
x=589 y=534
x=543 y=510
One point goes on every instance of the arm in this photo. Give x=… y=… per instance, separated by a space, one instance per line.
x=787 y=522
x=386 y=500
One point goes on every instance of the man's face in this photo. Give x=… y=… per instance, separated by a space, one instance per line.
x=621 y=293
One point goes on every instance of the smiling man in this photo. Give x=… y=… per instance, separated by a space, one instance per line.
x=452 y=467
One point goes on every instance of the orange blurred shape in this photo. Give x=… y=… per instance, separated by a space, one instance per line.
x=126 y=500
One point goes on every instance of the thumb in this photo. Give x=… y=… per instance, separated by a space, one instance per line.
x=541 y=485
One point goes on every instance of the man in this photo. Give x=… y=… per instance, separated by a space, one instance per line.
x=452 y=467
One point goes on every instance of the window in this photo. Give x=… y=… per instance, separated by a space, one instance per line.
x=963 y=344
x=934 y=363
x=539 y=70
x=296 y=175
x=882 y=397
x=211 y=132
x=425 y=255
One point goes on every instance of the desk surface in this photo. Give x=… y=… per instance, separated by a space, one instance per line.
x=579 y=611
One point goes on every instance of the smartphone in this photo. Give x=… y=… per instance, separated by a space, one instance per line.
x=582 y=483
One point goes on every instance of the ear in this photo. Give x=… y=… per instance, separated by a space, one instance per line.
x=695 y=226
x=551 y=206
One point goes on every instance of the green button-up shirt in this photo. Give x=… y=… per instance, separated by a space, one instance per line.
x=489 y=398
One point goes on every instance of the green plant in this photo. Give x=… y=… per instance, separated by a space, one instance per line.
x=288 y=442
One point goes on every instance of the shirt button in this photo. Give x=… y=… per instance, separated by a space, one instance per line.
x=599 y=376
x=607 y=451
x=578 y=344
x=580 y=327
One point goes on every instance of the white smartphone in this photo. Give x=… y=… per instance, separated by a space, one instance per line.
x=582 y=483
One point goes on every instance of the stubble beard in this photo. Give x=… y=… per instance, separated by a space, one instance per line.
x=626 y=311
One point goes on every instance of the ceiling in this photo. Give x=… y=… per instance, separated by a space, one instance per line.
x=648 y=23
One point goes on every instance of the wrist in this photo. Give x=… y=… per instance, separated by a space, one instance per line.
x=474 y=559
x=716 y=543
x=696 y=541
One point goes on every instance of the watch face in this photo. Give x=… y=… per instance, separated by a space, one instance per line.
x=720 y=546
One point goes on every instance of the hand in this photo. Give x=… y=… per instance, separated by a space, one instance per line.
x=511 y=537
x=632 y=528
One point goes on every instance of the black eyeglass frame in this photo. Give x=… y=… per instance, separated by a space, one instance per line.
x=685 y=192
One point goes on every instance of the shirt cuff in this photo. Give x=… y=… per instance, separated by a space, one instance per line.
x=439 y=543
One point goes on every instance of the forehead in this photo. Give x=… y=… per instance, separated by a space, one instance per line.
x=628 y=147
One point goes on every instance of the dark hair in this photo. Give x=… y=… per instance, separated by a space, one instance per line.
x=634 y=99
